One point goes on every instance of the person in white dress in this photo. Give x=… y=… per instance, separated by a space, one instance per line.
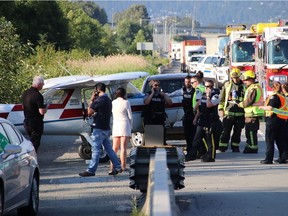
x=122 y=123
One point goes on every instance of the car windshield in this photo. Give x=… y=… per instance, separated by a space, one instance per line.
x=278 y=52
x=168 y=86
x=195 y=58
x=243 y=52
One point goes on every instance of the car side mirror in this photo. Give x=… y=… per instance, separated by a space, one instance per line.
x=11 y=149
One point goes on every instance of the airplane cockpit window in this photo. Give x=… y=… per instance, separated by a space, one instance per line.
x=55 y=96
x=131 y=90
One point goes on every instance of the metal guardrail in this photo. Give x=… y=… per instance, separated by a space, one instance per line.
x=160 y=197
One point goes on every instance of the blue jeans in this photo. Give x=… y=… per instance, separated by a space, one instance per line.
x=102 y=137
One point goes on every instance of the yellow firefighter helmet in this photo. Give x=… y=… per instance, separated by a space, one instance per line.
x=235 y=72
x=249 y=74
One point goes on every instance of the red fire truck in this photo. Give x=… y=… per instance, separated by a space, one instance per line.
x=271 y=54
x=240 y=49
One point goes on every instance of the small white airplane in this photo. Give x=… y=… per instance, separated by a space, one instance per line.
x=68 y=99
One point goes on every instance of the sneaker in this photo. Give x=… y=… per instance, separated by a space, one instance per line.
x=249 y=150
x=266 y=162
x=280 y=161
x=86 y=174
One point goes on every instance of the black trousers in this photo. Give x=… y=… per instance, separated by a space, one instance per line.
x=251 y=128
x=34 y=130
x=189 y=130
x=204 y=138
x=236 y=123
x=274 y=133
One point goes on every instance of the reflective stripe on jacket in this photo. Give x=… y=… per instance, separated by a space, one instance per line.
x=282 y=111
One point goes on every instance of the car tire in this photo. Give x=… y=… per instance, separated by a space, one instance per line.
x=137 y=139
x=85 y=153
x=32 y=208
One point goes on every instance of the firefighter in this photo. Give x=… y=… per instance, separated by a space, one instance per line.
x=155 y=101
x=206 y=117
x=233 y=116
x=276 y=126
x=253 y=98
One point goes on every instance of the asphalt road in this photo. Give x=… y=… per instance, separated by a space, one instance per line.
x=235 y=185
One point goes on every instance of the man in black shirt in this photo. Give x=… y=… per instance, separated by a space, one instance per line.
x=34 y=111
x=101 y=109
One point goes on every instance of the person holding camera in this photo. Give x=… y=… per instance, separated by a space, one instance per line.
x=101 y=110
x=155 y=101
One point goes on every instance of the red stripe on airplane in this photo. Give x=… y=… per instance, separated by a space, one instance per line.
x=17 y=107
x=4 y=115
x=71 y=113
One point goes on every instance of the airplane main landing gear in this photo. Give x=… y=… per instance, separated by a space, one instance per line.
x=84 y=149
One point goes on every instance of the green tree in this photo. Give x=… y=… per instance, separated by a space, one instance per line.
x=129 y=22
x=85 y=33
x=136 y=13
x=108 y=41
x=35 y=18
x=94 y=11
x=12 y=56
x=126 y=32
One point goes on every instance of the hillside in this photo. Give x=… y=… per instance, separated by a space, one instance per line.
x=208 y=13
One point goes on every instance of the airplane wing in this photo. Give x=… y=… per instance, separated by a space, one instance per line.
x=120 y=77
x=88 y=81
x=67 y=81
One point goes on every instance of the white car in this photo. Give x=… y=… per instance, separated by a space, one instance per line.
x=209 y=65
x=222 y=71
x=192 y=63
x=19 y=172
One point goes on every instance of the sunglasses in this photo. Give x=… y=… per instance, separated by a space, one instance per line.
x=208 y=86
x=193 y=82
x=156 y=85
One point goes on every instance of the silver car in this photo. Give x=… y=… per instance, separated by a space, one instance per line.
x=19 y=172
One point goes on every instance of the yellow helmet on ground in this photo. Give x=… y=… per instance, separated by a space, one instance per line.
x=235 y=72
x=249 y=74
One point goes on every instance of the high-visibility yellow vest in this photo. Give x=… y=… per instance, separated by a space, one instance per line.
x=253 y=111
x=228 y=86
x=282 y=111
x=201 y=88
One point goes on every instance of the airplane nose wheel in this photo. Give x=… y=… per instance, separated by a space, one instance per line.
x=137 y=139
x=84 y=152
